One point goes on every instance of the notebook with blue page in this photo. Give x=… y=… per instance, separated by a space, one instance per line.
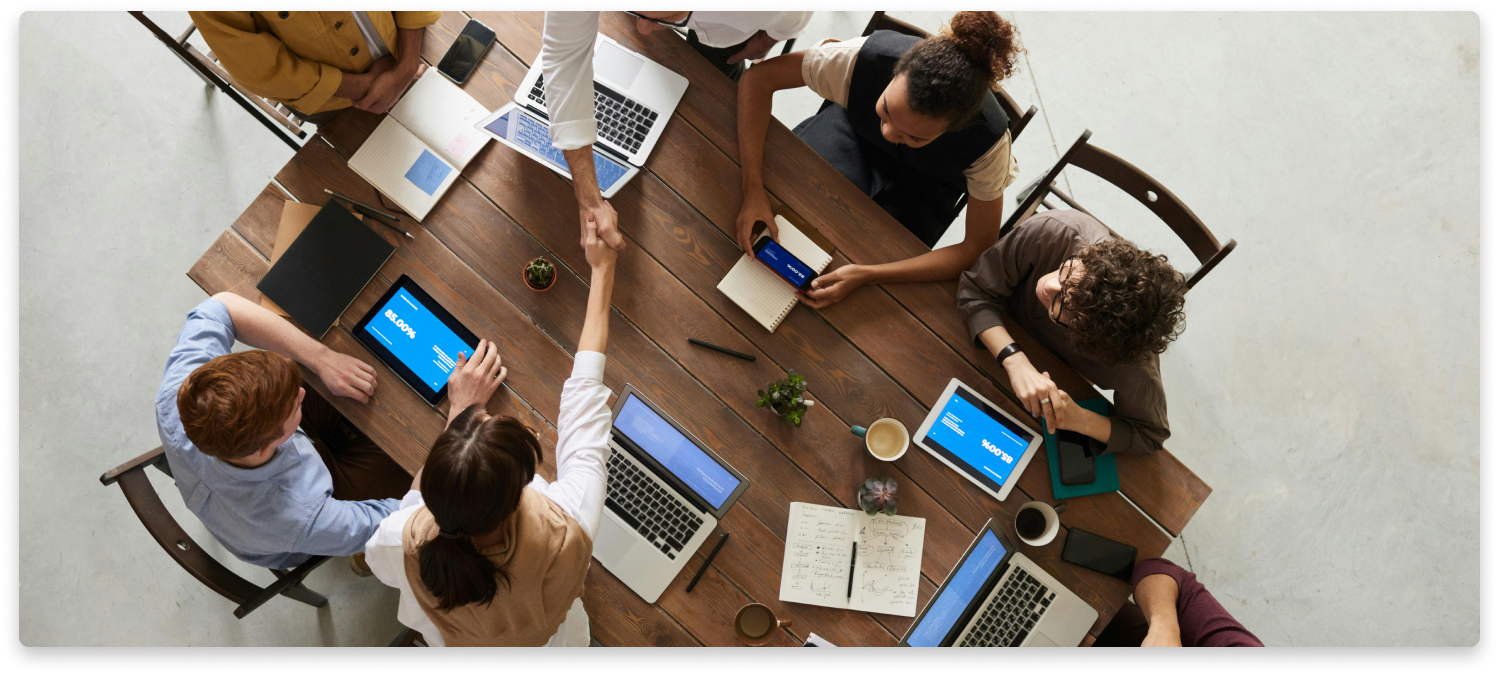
x=1105 y=472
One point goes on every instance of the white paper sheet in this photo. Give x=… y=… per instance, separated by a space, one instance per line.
x=886 y=574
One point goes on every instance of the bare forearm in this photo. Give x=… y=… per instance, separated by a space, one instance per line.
x=943 y=264
x=410 y=41
x=353 y=86
x=595 y=335
x=585 y=181
x=259 y=327
x=754 y=120
x=1156 y=596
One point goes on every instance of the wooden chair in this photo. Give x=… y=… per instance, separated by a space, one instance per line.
x=290 y=129
x=1134 y=182
x=143 y=498
x=1018 y=120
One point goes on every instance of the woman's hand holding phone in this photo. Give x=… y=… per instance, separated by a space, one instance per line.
x=756 y=209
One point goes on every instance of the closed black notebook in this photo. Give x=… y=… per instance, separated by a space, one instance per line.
x=324 y=269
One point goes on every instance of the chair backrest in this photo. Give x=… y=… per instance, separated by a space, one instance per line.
x=1018 y=120
x=1136 y=183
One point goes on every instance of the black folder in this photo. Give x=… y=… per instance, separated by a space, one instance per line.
x=324 y=269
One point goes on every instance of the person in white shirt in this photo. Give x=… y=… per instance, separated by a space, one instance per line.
x=567 y=67
x=484 y=551
x=729 y=40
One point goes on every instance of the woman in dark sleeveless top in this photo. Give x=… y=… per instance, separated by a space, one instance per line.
x=913 y=123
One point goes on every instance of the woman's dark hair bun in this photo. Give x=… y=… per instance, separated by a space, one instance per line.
x=985 y=39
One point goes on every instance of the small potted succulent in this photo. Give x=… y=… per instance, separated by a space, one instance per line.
x=539 y=274
x=878 y=496
x=787 y=397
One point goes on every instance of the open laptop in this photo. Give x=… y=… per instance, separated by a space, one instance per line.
x=666 y=494
x=633 y=97
x=997 y=597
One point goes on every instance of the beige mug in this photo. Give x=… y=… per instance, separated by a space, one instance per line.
x=886 y=439
x=756 y=624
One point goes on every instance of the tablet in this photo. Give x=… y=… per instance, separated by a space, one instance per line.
x=531 y=136
x=415 y=337
x=976 y=438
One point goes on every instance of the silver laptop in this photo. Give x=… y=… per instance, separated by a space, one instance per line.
x=997 y=597
x=633 y=97
x=666 y=494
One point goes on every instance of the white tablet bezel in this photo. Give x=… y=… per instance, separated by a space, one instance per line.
x=484 y=123
x=1025 y=459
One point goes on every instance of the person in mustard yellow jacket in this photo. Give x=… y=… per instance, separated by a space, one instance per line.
x=319 y=63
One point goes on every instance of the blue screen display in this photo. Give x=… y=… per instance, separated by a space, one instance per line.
x=784 y=263
x=968 y=431
x=418 y=339
x=532 y=134
x=961 y=588
x=671 y=449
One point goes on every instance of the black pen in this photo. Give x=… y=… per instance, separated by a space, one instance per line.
x=720 y=349
x=852 y=556
x=375 y=214
x=709 y=560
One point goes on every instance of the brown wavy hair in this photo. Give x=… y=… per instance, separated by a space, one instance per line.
x=948 y=74
x=1126 y=304
x=234 y=405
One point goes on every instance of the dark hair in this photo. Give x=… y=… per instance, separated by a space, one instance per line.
x=1126 y=303
x=471 y=483
x=236 y=404
x=948 y=74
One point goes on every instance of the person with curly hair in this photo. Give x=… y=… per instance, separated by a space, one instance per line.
x=1107 y=308
x=913 y=123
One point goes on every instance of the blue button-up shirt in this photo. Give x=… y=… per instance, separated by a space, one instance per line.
x=275 y=515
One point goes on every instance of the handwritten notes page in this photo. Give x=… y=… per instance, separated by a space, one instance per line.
x=886 y=574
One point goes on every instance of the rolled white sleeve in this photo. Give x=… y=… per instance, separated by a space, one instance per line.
x=567 y=66
x=582 y=444
x=387 y=559
x=788 y=25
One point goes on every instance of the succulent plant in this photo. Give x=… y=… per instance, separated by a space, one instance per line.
x=540 y=273
x=876 y=496
x=787 y=397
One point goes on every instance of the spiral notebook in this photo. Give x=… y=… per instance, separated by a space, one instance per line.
x=761 y=292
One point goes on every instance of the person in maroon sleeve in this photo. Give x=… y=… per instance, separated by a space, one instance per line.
x=1172 y=609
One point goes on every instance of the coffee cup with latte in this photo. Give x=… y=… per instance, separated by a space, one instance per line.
x=886 y=439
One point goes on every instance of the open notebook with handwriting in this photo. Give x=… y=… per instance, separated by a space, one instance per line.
x=886 y=573
x=761 y=292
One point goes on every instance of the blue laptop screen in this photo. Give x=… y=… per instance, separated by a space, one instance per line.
x=638 y=422
x=418 y=339
x=976 y=435
x=532 y=134
x=959 y=592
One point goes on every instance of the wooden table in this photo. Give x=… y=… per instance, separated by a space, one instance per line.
x=883 y=351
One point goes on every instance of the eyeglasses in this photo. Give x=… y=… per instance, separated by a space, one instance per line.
x=679 y=24
x=1059 y=303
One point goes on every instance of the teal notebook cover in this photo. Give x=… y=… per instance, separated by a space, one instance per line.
x=1105 y=473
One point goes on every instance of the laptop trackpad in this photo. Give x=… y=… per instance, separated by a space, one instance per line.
x=614 y=542
x=1039 y=639
x=617 y=66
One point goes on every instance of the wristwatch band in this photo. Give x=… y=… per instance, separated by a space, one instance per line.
x=1006 y=352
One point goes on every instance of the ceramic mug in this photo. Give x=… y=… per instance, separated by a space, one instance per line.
x=1051 y=523
x=885 y=433
x=756 y=624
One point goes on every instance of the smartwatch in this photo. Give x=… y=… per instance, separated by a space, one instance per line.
x=1006 y=352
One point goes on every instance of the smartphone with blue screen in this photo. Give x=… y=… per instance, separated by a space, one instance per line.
x=791 y=270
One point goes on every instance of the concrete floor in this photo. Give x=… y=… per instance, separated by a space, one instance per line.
x=1326 y=386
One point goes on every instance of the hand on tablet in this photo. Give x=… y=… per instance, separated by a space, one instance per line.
x=474 y=380
x=346 y=375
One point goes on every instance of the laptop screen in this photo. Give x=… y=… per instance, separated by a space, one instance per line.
x=974 y=434
x=959 y=592
x=638 y=422
x=533 y=135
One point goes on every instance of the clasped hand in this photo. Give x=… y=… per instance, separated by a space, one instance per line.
x=1040 y=395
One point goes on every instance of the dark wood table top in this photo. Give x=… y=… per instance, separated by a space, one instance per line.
x=883 y=351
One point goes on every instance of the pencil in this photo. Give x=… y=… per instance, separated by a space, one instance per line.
x=709 y=560
x=378 y=215
x=720 y=349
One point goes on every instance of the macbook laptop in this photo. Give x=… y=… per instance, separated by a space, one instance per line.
x=995 y=596
x=978 y=439
x=528 y=134
x=666 y=494
x=633 y=97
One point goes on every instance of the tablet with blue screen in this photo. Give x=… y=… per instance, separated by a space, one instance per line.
x=976 y=438
x=415 y=337
x=531 y=136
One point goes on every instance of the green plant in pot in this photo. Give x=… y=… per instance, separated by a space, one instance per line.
x=787 y=397
x=539 y=274
x=878 y=496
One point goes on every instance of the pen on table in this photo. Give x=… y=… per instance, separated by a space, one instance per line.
x=720 y=349
x=709 y=560
x=378 y=215
x=852 y=556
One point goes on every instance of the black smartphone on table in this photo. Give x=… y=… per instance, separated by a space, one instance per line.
x=1091 y=551
x=791 y=270
x=1076 y=462
x=466 y=52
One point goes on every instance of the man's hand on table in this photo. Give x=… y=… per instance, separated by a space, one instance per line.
x=474 y=380
x=386 y=88
x=345 y=375
x=756 y=208
x=834 y=286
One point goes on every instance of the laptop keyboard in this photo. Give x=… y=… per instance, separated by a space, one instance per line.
x=643 y=504
x=621 y=121
x=1013 y=613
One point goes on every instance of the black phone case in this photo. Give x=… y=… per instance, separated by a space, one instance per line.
x=1076 y=464
x=1104 y=555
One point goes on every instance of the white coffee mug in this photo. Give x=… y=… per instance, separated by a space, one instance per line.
x=886 y=422
x=1049 y=514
